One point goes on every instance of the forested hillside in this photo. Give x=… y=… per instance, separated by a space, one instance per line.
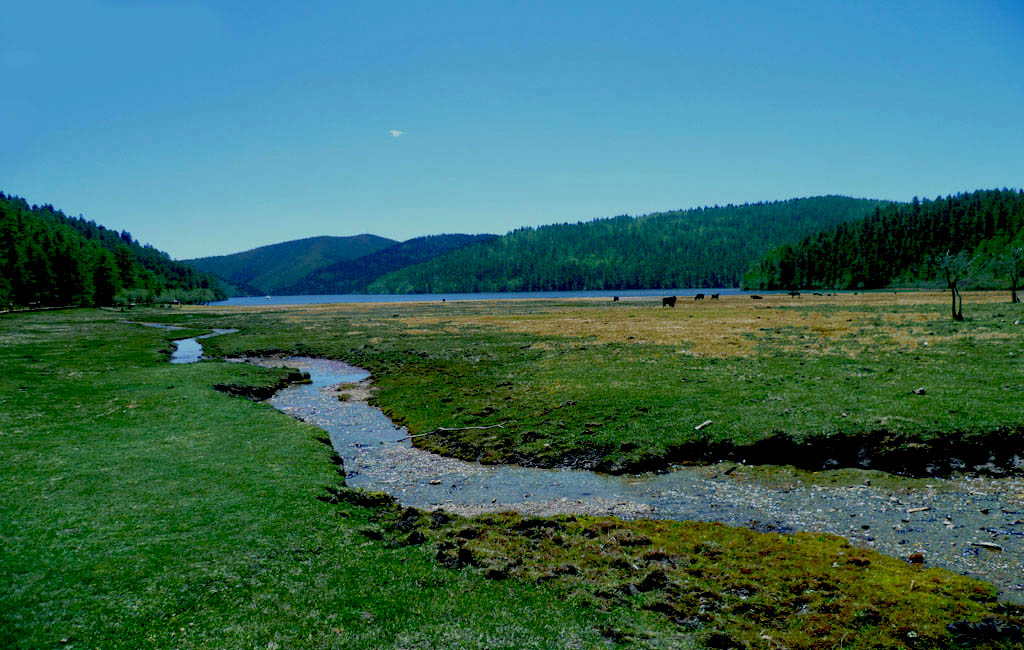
x=897 y=244
x=703 y=247
x=269 y=269
x=50 y=259
x=356 y=275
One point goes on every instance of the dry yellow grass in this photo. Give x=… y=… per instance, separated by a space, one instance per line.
x=731 y=326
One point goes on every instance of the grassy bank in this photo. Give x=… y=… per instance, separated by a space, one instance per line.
x=623 y=386
x=141 y=508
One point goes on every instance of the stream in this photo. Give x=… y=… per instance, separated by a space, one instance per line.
x=958 y=523
x=970 y=525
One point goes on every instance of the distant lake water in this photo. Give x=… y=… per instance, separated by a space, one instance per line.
x=448 y=297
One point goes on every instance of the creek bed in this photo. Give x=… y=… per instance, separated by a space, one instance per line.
x=951 y=521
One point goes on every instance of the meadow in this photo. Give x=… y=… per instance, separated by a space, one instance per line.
x=882 y=380
x=142 y=508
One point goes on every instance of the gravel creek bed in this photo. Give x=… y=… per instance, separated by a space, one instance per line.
x=959 y=523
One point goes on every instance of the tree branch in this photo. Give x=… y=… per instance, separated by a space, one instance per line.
x=448 y=430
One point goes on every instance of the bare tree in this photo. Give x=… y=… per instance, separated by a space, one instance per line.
x=1011 y=263
x=954 y=269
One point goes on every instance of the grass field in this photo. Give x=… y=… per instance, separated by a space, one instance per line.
x=142 y=508
x=622 y=386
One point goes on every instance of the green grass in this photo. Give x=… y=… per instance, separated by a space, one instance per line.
x=618 y=405
x=738 y=587
x=141 y=508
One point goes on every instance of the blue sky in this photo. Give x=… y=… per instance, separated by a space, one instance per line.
x=213 y=127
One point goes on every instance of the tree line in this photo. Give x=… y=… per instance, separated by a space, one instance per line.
x=354 y=276
x=702 y=247
x=906 y=244
x=50 y=259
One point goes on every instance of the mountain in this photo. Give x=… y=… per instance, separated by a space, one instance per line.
x=51 y=259
x=356 y=275
x=702 y=247
x=897 y=245
x=269 y=269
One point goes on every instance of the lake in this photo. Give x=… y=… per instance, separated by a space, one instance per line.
x=516 y=295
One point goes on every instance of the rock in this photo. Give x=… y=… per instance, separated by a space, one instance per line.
x=921 y=509
x=916 y=558
x=435 y=481
x=919 y=391
x=989 y=545
x=415 y=538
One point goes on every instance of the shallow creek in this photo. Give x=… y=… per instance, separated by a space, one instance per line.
x=187 y=350
x=191 y=350
x=957 y=523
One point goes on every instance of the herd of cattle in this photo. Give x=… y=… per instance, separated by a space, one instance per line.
x=670 y=301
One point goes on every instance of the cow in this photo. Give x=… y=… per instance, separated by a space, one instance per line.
x=615 y=298
x=794 y=294
x=670 y=301
x=756 y=297
x=714 y=296
x=699 y=296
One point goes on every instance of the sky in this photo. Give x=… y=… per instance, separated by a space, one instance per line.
x=207 y=128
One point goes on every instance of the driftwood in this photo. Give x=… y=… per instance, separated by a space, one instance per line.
x=449 y=429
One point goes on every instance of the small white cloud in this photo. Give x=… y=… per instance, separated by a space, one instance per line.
x=396 y=133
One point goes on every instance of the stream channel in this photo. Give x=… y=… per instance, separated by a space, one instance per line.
x=970 y=525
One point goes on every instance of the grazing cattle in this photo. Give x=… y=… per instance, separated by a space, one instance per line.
x=755 y=297
x=699 y=296
x=794 y=294
x=615 y=298
x=714 y=296
x=670 y=301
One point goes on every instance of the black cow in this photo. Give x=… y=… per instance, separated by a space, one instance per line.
x=794 y=294
x=615 y=298
x=699 y=296
x=755 y=297
x=670 y=301
x=714 y=296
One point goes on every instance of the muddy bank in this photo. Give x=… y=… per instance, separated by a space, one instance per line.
x=261 y=393
x=997 y=453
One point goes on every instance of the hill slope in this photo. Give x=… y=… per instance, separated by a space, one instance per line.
x=49 y=258
x=356 y=275
x=703 y=247
x=896 y=244
x=269 y=269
